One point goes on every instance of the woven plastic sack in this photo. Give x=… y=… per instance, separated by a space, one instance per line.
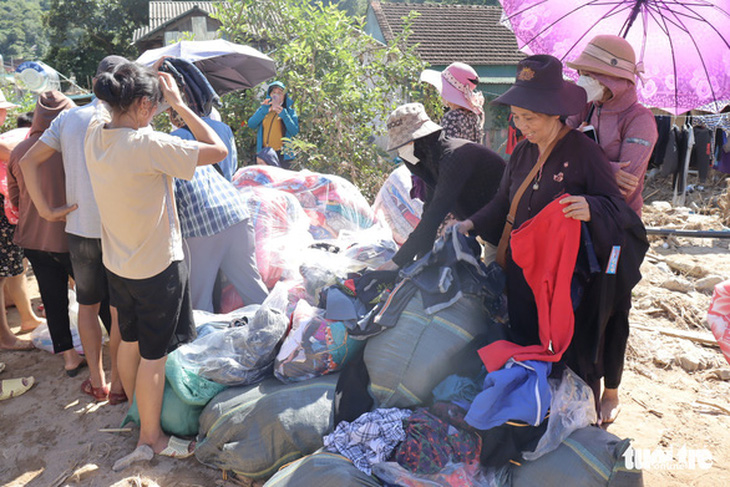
x=255 y=430
x=719 y=317
x=321 y=469
x=407 y=361
x=184 y=398
x=394 y=205
x=589 y=457
x=315 y=346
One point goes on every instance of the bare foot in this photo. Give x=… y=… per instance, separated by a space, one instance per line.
x=17 y=345
x=28 y=326
x=610 y=406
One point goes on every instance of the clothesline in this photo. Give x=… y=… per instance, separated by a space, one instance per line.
x=713 y=121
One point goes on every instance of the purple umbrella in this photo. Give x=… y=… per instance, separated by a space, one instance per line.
x=684 y=45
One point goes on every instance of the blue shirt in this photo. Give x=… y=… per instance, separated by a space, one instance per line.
x=208 y=203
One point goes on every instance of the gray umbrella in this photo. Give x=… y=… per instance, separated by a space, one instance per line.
x=228 y=66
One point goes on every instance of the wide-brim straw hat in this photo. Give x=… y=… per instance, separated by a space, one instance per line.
x=456 y=84
x=610 y=55
x=540 y=88
x=5 y=104
x=407 y=123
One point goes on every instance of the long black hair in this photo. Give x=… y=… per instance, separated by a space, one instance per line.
x=127 y=83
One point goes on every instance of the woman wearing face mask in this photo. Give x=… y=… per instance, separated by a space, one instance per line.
x=627 y=133
x=562 y=172
x=460 y=176
x=626 y=129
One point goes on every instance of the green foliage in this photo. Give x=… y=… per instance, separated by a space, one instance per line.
x=21 y=29
x=82 y=32
x=344 y=84
x=450 y=2
x=26 y=103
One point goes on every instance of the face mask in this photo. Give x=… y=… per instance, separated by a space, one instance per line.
x=594 y=89
x=406 y=153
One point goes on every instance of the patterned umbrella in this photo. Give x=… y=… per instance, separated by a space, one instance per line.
x=228 y=66
x=684 y=44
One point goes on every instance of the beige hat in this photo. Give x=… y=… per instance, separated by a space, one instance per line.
x=5 y=104
x=610 y=55
x=409 y=122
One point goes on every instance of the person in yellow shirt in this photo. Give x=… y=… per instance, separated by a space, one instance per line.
x=275 y=119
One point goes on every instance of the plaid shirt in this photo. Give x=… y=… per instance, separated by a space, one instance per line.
x=369 y=439
x=208 y=203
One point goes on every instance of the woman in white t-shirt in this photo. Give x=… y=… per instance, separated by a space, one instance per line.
x=132 y=169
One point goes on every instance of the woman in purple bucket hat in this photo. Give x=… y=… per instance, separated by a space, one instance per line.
x=560 y=168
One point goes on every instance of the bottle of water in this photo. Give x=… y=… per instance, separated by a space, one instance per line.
x=37 y=77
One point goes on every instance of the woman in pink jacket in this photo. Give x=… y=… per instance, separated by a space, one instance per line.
x=627 y=132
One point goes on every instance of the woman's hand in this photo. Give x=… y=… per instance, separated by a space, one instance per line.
x=464 y=227
x=388 y=266
x=627 y=182
x=170 y=90
x=58 y=214
x=576 y=207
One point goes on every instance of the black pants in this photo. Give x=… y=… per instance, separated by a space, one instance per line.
x=52 y=271
x=616 y=336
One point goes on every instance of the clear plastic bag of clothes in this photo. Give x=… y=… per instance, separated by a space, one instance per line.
x=244 y=353
x=368 y=248
x=41 y=336
x=281 y=227
x=206 y=322
x=718 y=316
x=572 y=407
x=314 y=347
x=452 y=475
x=394 y=205
x=260 y=175
x=332 y=203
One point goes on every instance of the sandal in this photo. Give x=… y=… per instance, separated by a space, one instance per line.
x=178 y=448
x=98 y=393
x=142 y=453
x=15 y=387
x=117 y=398
x=75 y=371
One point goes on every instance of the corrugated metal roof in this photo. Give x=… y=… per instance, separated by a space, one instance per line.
x=162 y=12
x=446 y=33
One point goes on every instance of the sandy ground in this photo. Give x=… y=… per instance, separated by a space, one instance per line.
x=672 y=394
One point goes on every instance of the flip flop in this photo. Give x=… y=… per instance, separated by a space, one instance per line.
x=178 y=448
x=15 y=387
x=75 y=371
x=2 y=366
x=117 y=398
x=19 y=346
x=140 y=454
x=98 y=393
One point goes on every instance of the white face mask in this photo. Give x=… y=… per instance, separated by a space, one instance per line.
x=594 y=89
x=405 y=152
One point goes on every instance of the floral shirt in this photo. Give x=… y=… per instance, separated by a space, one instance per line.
x=463 y=124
